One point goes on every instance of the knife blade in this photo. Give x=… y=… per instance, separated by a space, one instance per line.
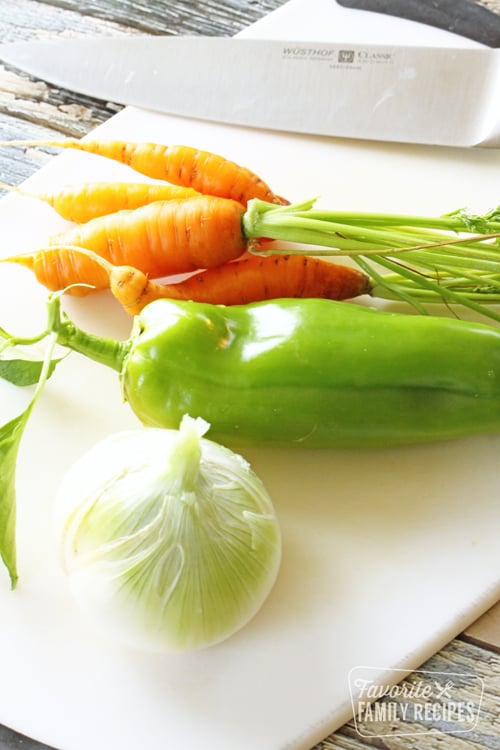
x=440 y=96
x=463 y=17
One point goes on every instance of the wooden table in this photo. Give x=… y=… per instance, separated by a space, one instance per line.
x=32 y=109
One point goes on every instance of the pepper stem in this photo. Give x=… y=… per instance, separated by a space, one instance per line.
x=101 y=349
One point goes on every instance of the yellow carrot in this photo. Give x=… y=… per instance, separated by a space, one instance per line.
x=80 y=203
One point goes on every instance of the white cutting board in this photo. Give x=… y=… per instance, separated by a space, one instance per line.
x=387 y=554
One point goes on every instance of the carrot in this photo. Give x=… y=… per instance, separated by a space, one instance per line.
x=62 y=267
x=207 y=173
x=80 y=203
x=166 y=237
x=250 y=279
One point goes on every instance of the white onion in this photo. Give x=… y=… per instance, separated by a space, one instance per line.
x=170 y=541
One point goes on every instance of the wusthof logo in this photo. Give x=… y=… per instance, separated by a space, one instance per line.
x=346 y=56
x=338 y=57
x=426 y=700
x=310 y=53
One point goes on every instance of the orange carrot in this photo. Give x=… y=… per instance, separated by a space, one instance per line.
x=250 y=279
x=166 y=237
x=207 y=173
x=61 y=267
x=80 y=203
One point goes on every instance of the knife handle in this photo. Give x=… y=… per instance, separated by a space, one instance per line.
x=463 y=17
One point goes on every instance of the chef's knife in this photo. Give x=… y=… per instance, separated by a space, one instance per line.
x=444 y=96
x=464 y=17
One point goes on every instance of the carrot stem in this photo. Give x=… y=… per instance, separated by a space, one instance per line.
x=454 y=258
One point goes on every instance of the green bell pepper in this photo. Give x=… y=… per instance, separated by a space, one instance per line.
x=310 y=372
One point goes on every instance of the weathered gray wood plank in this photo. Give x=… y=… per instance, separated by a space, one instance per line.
x=30 y=19
x=457 y=657
x=27 y=19
x=33 y=101
x=180 y=16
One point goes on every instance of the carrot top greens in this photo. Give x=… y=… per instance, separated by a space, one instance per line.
x=452 y=259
